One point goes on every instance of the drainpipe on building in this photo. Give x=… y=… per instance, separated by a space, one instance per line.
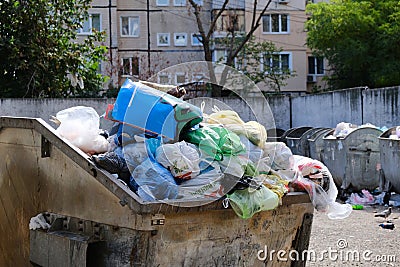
x=148 y=36
x=110 y=38
x=110 y=29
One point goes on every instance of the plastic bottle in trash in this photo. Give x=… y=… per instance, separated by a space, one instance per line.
x=387 y=226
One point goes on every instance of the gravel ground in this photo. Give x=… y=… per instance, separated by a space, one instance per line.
x=355 y=241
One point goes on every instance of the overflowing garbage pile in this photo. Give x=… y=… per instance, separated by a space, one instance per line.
x=164 y=148
x=343 y=129
x=395 y=134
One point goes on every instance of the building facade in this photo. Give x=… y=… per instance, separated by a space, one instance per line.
x=145 y=37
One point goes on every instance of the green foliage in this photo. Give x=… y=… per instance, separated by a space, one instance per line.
x=359 y=39
x=39 y=48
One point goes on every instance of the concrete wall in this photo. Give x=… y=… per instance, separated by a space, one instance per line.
x=44 y=108
x=250 y=109
x=328 y=109
x=358 y=106
x=381 y=106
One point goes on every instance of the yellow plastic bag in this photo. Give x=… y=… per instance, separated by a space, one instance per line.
x=223 y=117
x=253 y=130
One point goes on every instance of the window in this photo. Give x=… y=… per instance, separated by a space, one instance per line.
x=163 y=39
x=276 y=62
x=196 y=39
x=130 y=66
x=179 y=2
x=163 y=79
x=130 y=26
x=162 y=2
x=315 y=65
x=230 y=21
x=180 y=39
x=92 y=22
x=275 y=23
x=198 y=2
x=180 y=78
x=220 y=56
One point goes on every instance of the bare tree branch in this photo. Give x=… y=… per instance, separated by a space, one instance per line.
x=250 y=33
x=214 y=21
x=254 y=13
x=196 y=12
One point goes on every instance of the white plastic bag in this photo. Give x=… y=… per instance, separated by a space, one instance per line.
x=205 y=185
x=253 y=152
x=280 y=156
x=343 y=129
x=80 y=126
x=320 y=187
x=181 y=159
x=234 y=165
x=38 y=222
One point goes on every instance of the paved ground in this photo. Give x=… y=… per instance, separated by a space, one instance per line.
x=355 y=241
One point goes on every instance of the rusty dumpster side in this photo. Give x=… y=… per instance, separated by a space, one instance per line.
x=97 y=221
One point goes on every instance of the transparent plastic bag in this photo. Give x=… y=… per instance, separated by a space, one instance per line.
x=80 y=126
x=248 y=202
x=154 y=181
x=280 y=156
x=181 y=159
x=135 y=154
x=205 y=185
x=315 y=178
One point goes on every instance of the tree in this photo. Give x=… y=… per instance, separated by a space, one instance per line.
x=236 y=40
x=359 y=39
x=39 y=54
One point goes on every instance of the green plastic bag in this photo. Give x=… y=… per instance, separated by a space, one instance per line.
x=249 y=201
x=216 y=141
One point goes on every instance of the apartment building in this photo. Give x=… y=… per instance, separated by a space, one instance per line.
x=144 y=37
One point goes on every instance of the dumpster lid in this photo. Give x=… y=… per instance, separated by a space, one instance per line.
x=298 y=132
x=388 y=132
x=275 y=132
x=320 y=132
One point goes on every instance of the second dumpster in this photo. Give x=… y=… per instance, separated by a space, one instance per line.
x=352 y=159
x=389 y=144
x=316 y=143
x=294 y=140
x=275 y=135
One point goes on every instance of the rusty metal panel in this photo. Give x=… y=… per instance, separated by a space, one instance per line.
x=60 y=248
x=390 y=158
x=41 y=172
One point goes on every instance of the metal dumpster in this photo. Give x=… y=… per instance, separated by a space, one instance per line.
x=352 y=160
x=390 y=159
x=316 y=143
x=275 y=135
x=295 y=142
x=97 y=221
x=286 y=133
